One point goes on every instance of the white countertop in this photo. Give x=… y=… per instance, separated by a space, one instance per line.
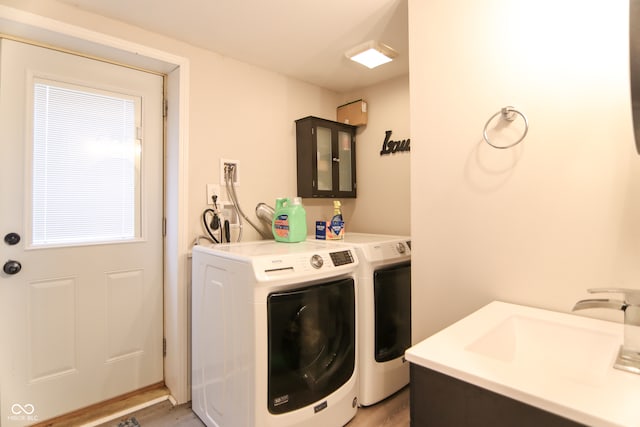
x=558 y=362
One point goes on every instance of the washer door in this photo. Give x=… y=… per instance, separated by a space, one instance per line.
x=392 y=299
x=311 y=343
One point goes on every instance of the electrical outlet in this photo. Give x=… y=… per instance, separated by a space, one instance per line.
x=236 y=175
x=213 y=190
x=230 y=214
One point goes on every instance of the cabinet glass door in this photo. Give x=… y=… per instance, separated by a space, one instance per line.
x=324 y=158
x=344 y=154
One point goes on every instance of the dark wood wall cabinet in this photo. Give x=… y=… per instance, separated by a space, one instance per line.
x=326 y=158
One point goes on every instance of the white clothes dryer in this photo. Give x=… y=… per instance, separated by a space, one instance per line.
x=274 y=334
x=384 y=313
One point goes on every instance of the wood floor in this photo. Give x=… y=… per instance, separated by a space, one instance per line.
x=391 y=412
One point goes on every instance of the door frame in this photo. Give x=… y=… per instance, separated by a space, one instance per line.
x=21 y=24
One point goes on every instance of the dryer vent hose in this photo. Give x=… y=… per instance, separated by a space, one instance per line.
x=265 y=213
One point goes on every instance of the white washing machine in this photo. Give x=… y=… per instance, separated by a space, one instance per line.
x=274 y=334
x=384 y=313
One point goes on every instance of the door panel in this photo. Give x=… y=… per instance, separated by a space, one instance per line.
x=83 y=323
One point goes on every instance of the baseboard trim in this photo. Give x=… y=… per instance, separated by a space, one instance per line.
x=111 y=409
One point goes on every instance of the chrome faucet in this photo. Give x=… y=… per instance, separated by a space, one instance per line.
x=629 y=355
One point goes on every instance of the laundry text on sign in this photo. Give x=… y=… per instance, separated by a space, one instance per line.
x=389 y=146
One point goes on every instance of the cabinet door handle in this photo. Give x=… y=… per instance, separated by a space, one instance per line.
x=335 y=159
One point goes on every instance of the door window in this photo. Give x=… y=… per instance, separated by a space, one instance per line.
x=85 y=165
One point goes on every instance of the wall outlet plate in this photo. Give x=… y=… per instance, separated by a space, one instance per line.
x=213 y=190
x=229 y=213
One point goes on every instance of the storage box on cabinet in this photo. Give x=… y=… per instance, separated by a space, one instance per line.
x=353 y=113
x=326 y=158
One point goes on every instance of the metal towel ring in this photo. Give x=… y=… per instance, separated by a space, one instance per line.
x=509 y=114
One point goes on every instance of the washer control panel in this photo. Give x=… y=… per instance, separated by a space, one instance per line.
x=275 y=261
x=302 y=265
x=337 y=258
x=341 y=258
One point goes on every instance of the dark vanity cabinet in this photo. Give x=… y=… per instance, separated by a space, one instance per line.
x=437 y=399
x=326 y=158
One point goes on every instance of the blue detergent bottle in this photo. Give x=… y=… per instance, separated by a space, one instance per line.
x=289 y=221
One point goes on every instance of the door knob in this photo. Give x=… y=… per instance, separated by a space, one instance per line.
x=12 y=267
x=12 y=239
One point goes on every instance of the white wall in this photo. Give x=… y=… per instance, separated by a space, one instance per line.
x=541 y=222
x=237 y=111
x=382 y=205
x=245 y=113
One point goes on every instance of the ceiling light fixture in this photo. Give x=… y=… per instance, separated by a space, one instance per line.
x=371 y=54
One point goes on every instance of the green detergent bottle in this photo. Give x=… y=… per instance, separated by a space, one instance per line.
x=289 y=221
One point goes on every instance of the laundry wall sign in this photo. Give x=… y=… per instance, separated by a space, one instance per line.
x=389 y=146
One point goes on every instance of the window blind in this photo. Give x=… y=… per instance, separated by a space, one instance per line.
x=85 y=166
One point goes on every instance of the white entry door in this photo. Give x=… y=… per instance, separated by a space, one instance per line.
x=81 y=207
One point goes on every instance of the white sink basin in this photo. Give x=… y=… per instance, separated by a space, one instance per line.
x=559 y=362
x=584 y=355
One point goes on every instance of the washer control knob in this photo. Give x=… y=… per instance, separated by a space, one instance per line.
x=401 y=248
x=317 y=261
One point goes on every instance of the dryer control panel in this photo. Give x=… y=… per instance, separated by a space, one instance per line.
x=386 y=251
